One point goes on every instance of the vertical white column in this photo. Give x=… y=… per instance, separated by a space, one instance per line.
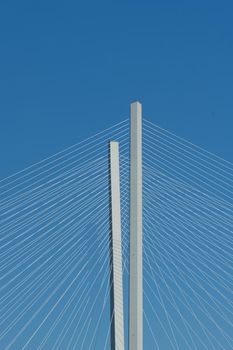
x=135 y=277
x=116 y=251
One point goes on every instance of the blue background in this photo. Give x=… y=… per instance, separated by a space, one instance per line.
x=70 y=69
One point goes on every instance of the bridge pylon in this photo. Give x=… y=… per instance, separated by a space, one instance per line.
x=116 y=280
x=135 y=251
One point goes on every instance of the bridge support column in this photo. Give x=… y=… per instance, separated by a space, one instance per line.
x=135 y=274
x=116 y=281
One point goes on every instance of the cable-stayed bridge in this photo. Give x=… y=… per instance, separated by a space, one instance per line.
x=57 y=250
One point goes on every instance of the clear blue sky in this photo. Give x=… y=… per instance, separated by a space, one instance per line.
x=71 y=68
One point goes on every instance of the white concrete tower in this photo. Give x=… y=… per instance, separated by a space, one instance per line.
x=135 y=268
x=117 y=327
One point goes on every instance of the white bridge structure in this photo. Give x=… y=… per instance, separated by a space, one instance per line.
x=123 y=241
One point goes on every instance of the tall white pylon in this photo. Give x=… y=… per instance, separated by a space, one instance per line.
x=135 y=268
x=116 y=281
